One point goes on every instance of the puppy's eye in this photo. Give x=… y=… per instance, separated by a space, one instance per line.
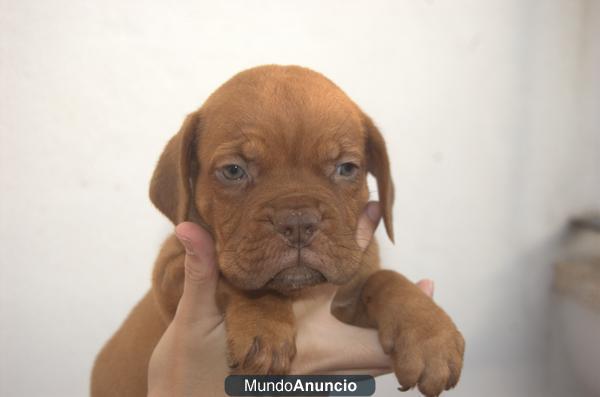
x=233 y=172
x=346 y=170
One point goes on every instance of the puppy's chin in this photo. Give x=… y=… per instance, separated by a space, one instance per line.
x=295 y=278
x=287 y=272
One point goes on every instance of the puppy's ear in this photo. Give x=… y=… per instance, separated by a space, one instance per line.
x=378 y=164
x=172 y=181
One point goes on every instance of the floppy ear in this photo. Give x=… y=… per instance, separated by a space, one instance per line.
x=378 y=164
x=171 y=185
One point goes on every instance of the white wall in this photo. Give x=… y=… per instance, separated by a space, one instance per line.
x=490 y=110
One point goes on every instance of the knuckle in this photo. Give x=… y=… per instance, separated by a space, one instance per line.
x=197 y=272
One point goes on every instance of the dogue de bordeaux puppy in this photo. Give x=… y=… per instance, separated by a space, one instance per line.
x=274 y=165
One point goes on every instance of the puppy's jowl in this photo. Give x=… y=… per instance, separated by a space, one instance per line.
x=274 y=165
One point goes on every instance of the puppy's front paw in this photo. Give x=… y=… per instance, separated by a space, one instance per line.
x=267 y=348
x=428 y=353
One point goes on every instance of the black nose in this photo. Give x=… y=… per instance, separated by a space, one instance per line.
x=297 y=226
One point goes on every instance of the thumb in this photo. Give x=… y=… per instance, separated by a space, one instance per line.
x=367 y=223
x=198 y=301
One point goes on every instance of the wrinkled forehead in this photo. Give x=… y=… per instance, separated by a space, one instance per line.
x=284 y=119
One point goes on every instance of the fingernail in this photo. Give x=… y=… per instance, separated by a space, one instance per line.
x=187 y=244
x=373 y=211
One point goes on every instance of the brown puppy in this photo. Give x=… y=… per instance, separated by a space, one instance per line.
x=274 y=164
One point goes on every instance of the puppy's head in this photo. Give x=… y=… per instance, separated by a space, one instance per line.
x=275 y=164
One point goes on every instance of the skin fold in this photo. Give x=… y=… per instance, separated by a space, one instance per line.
x=274 y=166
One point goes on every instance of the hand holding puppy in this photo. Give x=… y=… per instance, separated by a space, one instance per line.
x=190 y=358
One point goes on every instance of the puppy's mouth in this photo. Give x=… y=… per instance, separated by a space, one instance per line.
x=296 y=277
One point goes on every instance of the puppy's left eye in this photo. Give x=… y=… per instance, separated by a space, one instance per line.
x=346 y=170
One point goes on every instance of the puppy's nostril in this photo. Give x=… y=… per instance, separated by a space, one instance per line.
x=298 y=227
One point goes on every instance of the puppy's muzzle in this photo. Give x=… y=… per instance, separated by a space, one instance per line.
x=297 y=226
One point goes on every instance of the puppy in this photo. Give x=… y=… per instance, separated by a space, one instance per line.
x=274 y=165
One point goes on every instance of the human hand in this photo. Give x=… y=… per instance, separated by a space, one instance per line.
x=190 y=358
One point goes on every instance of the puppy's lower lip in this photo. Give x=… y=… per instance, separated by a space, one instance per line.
x=296 y=277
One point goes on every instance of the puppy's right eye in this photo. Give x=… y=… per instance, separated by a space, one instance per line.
x=232 y=173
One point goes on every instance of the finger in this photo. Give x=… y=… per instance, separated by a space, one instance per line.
x=201 y=273
x=322 y=342
x=426 y=286
x=367 y=223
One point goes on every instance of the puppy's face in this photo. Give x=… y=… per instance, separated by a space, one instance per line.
x=275 y=163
